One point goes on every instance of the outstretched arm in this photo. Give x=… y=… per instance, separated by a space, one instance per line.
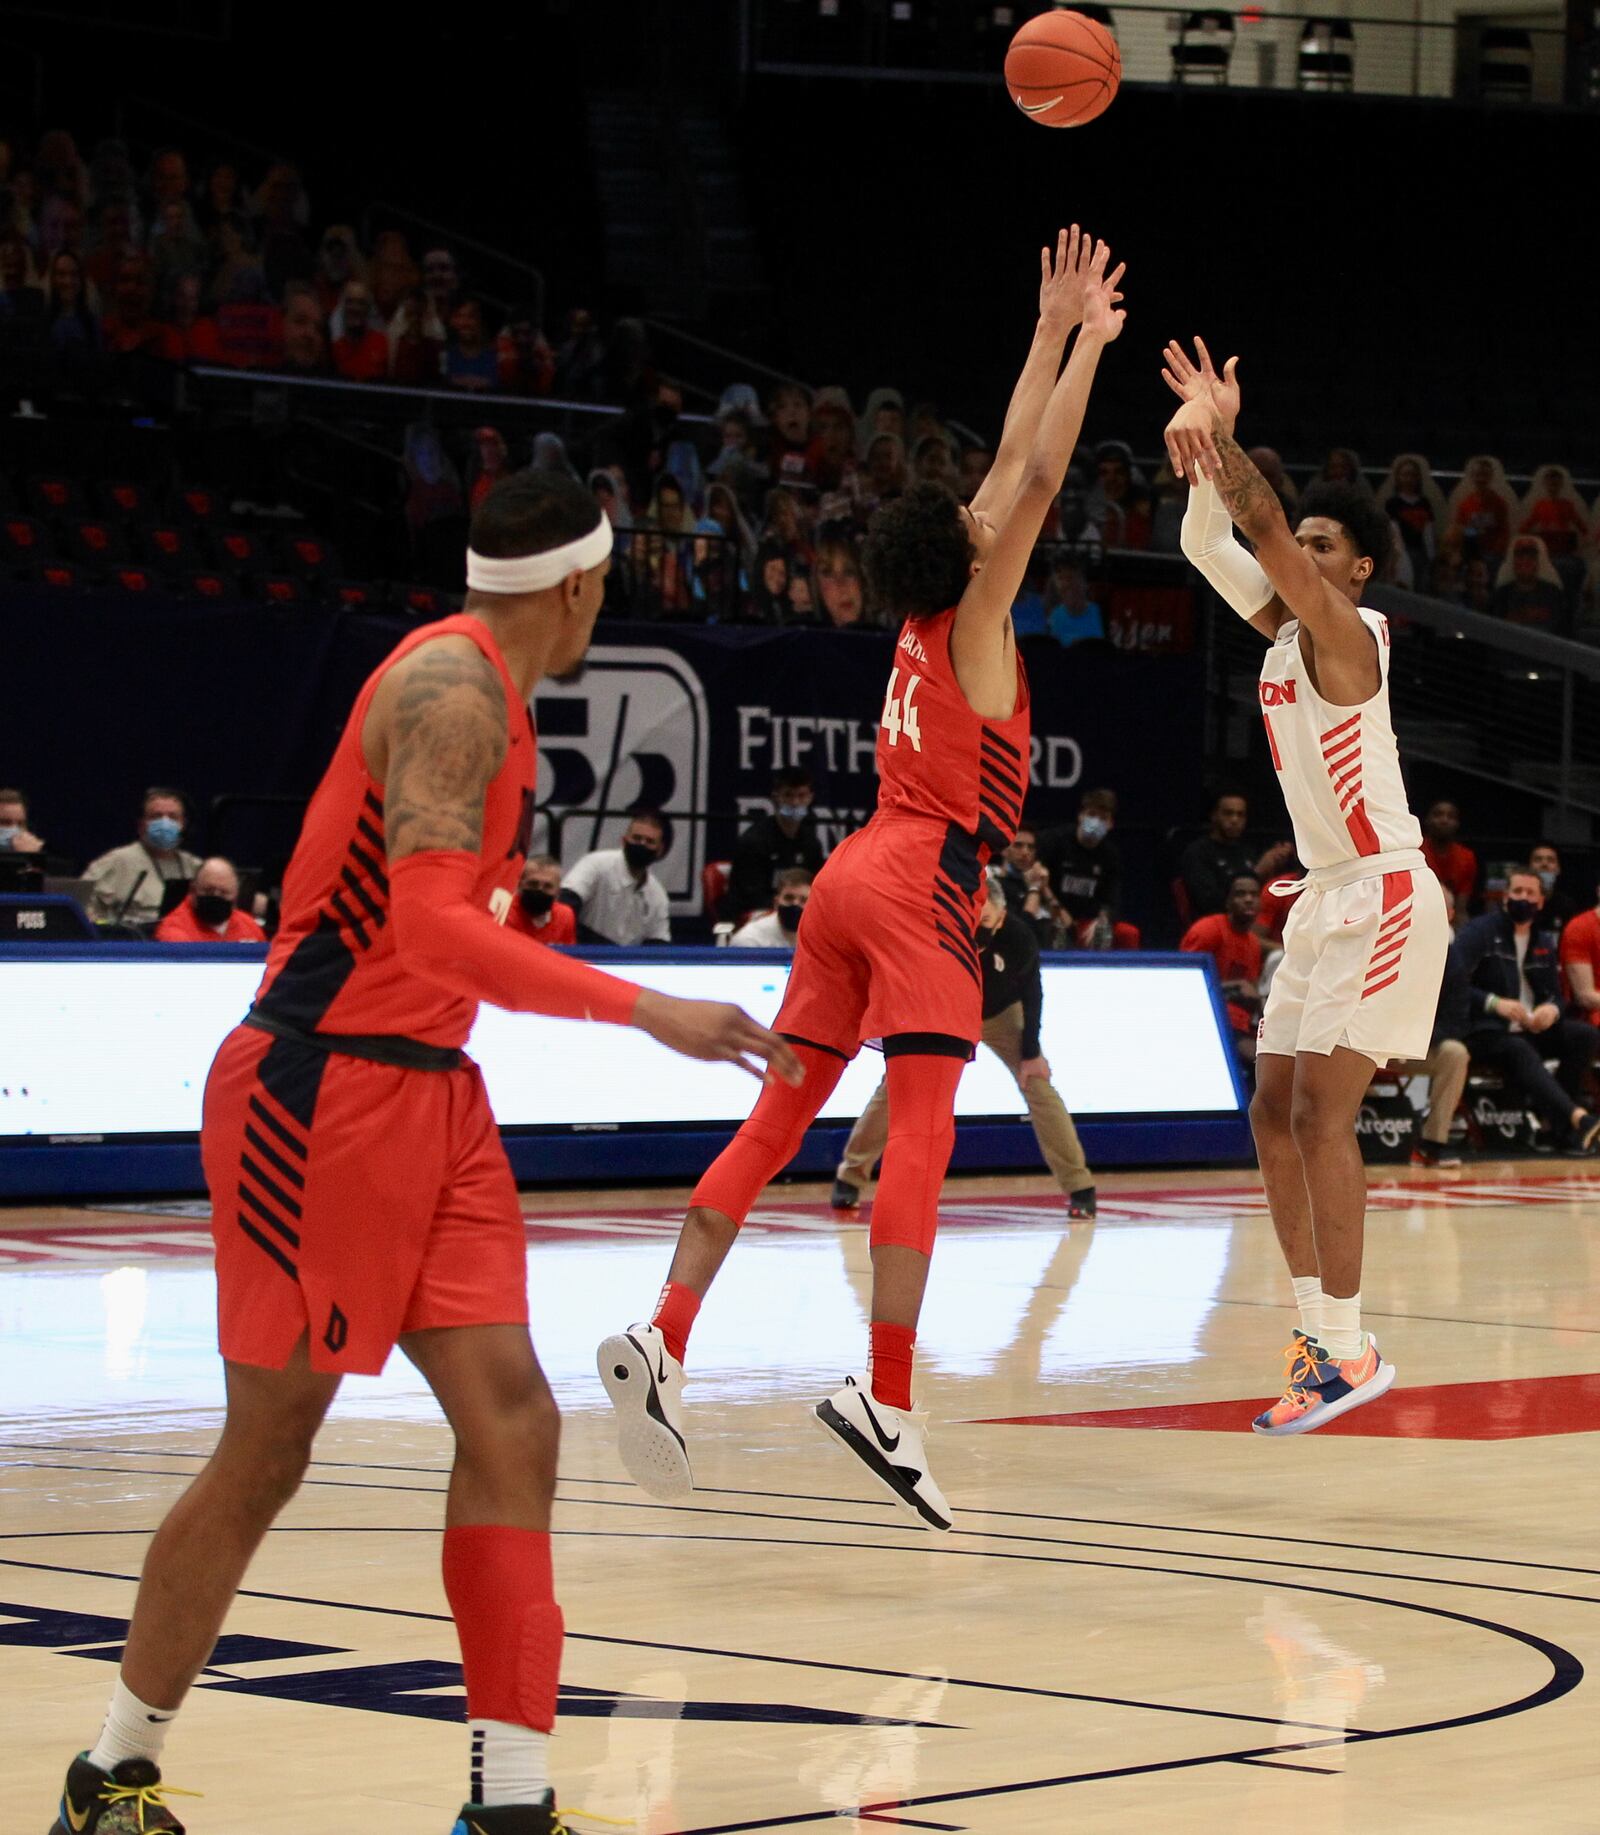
x=1061 y=288
x=988 y=599
x=435 y=737
x=1202 y=448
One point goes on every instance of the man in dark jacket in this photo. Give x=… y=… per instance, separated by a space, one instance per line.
x=1514 y=1011
x=1211 y=863
x=1086 y=873
x=1013 y=999
x=786 y=838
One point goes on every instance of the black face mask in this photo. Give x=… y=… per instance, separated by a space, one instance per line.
x=789 y=917
x=212 y=907
x=1521 y=910
x=638 y=854
x=536 y=901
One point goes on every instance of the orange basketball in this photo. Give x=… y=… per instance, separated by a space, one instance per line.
x=1063 y=69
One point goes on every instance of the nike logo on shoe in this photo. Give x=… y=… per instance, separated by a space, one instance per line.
x=884 y=1441
x=76 y=1820
x=661 y=1365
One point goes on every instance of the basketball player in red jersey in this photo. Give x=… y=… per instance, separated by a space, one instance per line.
x=1364 y=948
x=360 y=1194
x=887 y=951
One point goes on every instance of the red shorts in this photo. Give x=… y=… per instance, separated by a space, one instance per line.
x=887 y=944
x=353 y=1202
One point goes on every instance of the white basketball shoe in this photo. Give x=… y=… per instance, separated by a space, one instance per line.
x=645 y=1383
x=892 y=1446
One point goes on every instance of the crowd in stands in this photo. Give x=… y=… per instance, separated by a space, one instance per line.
x=1520 y=1000
x=755 y=513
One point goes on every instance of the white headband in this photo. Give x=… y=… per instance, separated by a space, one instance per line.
x=532 y=573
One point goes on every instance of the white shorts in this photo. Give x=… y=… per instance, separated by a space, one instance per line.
x=1362 y=964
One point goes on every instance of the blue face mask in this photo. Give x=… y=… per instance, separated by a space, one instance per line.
x=791 y=812
x=162 y=831
x=8 y=833
x=1547 y=879
x=1093 y=828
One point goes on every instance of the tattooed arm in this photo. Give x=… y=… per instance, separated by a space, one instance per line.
x=435 y=737
x=1342 y=652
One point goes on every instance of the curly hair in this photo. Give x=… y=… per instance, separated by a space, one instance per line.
x=917 y=556
x=1357 y=513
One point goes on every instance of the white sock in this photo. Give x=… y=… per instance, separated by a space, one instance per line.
x=133 y=1729
x=1341 y=1335
x=1308 y=1296
x=510 y=1764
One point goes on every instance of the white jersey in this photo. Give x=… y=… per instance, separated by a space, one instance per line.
x=1339 y=766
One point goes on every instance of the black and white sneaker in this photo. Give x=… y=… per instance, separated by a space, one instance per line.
x=846 y=1197
x=891 y=1443
x=645 y=1383
x=1081 y=1204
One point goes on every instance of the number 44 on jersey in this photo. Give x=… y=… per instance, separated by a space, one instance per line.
x=899 y=711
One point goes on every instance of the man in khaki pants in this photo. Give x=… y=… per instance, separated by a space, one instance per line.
x=1013 y=997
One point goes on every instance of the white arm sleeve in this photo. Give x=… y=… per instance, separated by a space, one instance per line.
x=1207 y=538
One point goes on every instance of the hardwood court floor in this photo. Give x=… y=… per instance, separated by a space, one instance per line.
x=1146 y=1618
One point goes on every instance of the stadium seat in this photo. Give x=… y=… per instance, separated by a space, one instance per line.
x=198 y=504
x=51 y=495
x=241 y=550
x=280 y=589
x=24 y=543
x=1204 y=48
x=122 y=497
x=357 y=595
x=171 y=549
x=61 y=576
x=1327 y=62
x=95 y=543
x=133 y=578
x=422 y=602
x=1505 y=64
x=310 y=559
x=715 y=877
x=212 y=583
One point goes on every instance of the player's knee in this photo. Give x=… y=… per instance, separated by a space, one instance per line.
x=514 y=1446
x=1312 y=1125
x=1269 y=1115
x=269 y=1469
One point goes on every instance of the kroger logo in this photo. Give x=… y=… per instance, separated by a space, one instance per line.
x=1390 y=1129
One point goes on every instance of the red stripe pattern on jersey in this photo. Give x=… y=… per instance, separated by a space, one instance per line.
x=1395 y=926
x=1341 y=756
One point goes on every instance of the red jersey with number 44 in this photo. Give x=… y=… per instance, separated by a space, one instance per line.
x=333 y=966
x=939 y=759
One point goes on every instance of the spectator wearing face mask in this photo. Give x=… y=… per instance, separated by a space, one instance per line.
x=211 y=914
x=1515 y=1021
x=1085 y=867
x=539 y=911
x=15 y=835
x=1013 y=1004
x=772 y=843
x=777 y=928
x=128 y=884
x=615 y=895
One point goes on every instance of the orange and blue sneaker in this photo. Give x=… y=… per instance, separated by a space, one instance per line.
x=1318 y=1388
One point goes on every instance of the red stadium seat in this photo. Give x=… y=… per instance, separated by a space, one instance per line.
x=55 y=495
x=171 y=549
x=96 y=544
x=280 y=589
x=715 y=877
x=23 y=543
x=121 y=497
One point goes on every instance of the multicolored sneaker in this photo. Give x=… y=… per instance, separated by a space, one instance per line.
x=1318 y=1388
x=130 y=1799
x=511 y=1819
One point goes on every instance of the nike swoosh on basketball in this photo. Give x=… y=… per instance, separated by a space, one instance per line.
x=887 y=1444
x=1038 y=108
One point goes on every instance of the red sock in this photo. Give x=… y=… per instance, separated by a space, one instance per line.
x=674 y=1316
x=502 y=1595
x=889 y=1363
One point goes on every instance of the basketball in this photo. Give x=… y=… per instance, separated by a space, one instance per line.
x=1063 y=69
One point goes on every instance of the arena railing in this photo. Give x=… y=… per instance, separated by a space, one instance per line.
x=1491 y=700
x=1310 y=52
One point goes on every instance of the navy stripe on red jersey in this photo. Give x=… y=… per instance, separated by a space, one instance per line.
x=1006 y=748
x=266 y=1243
x=990 y=759
x=972 y=970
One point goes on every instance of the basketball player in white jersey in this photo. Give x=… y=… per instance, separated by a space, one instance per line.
x=1364 y=948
